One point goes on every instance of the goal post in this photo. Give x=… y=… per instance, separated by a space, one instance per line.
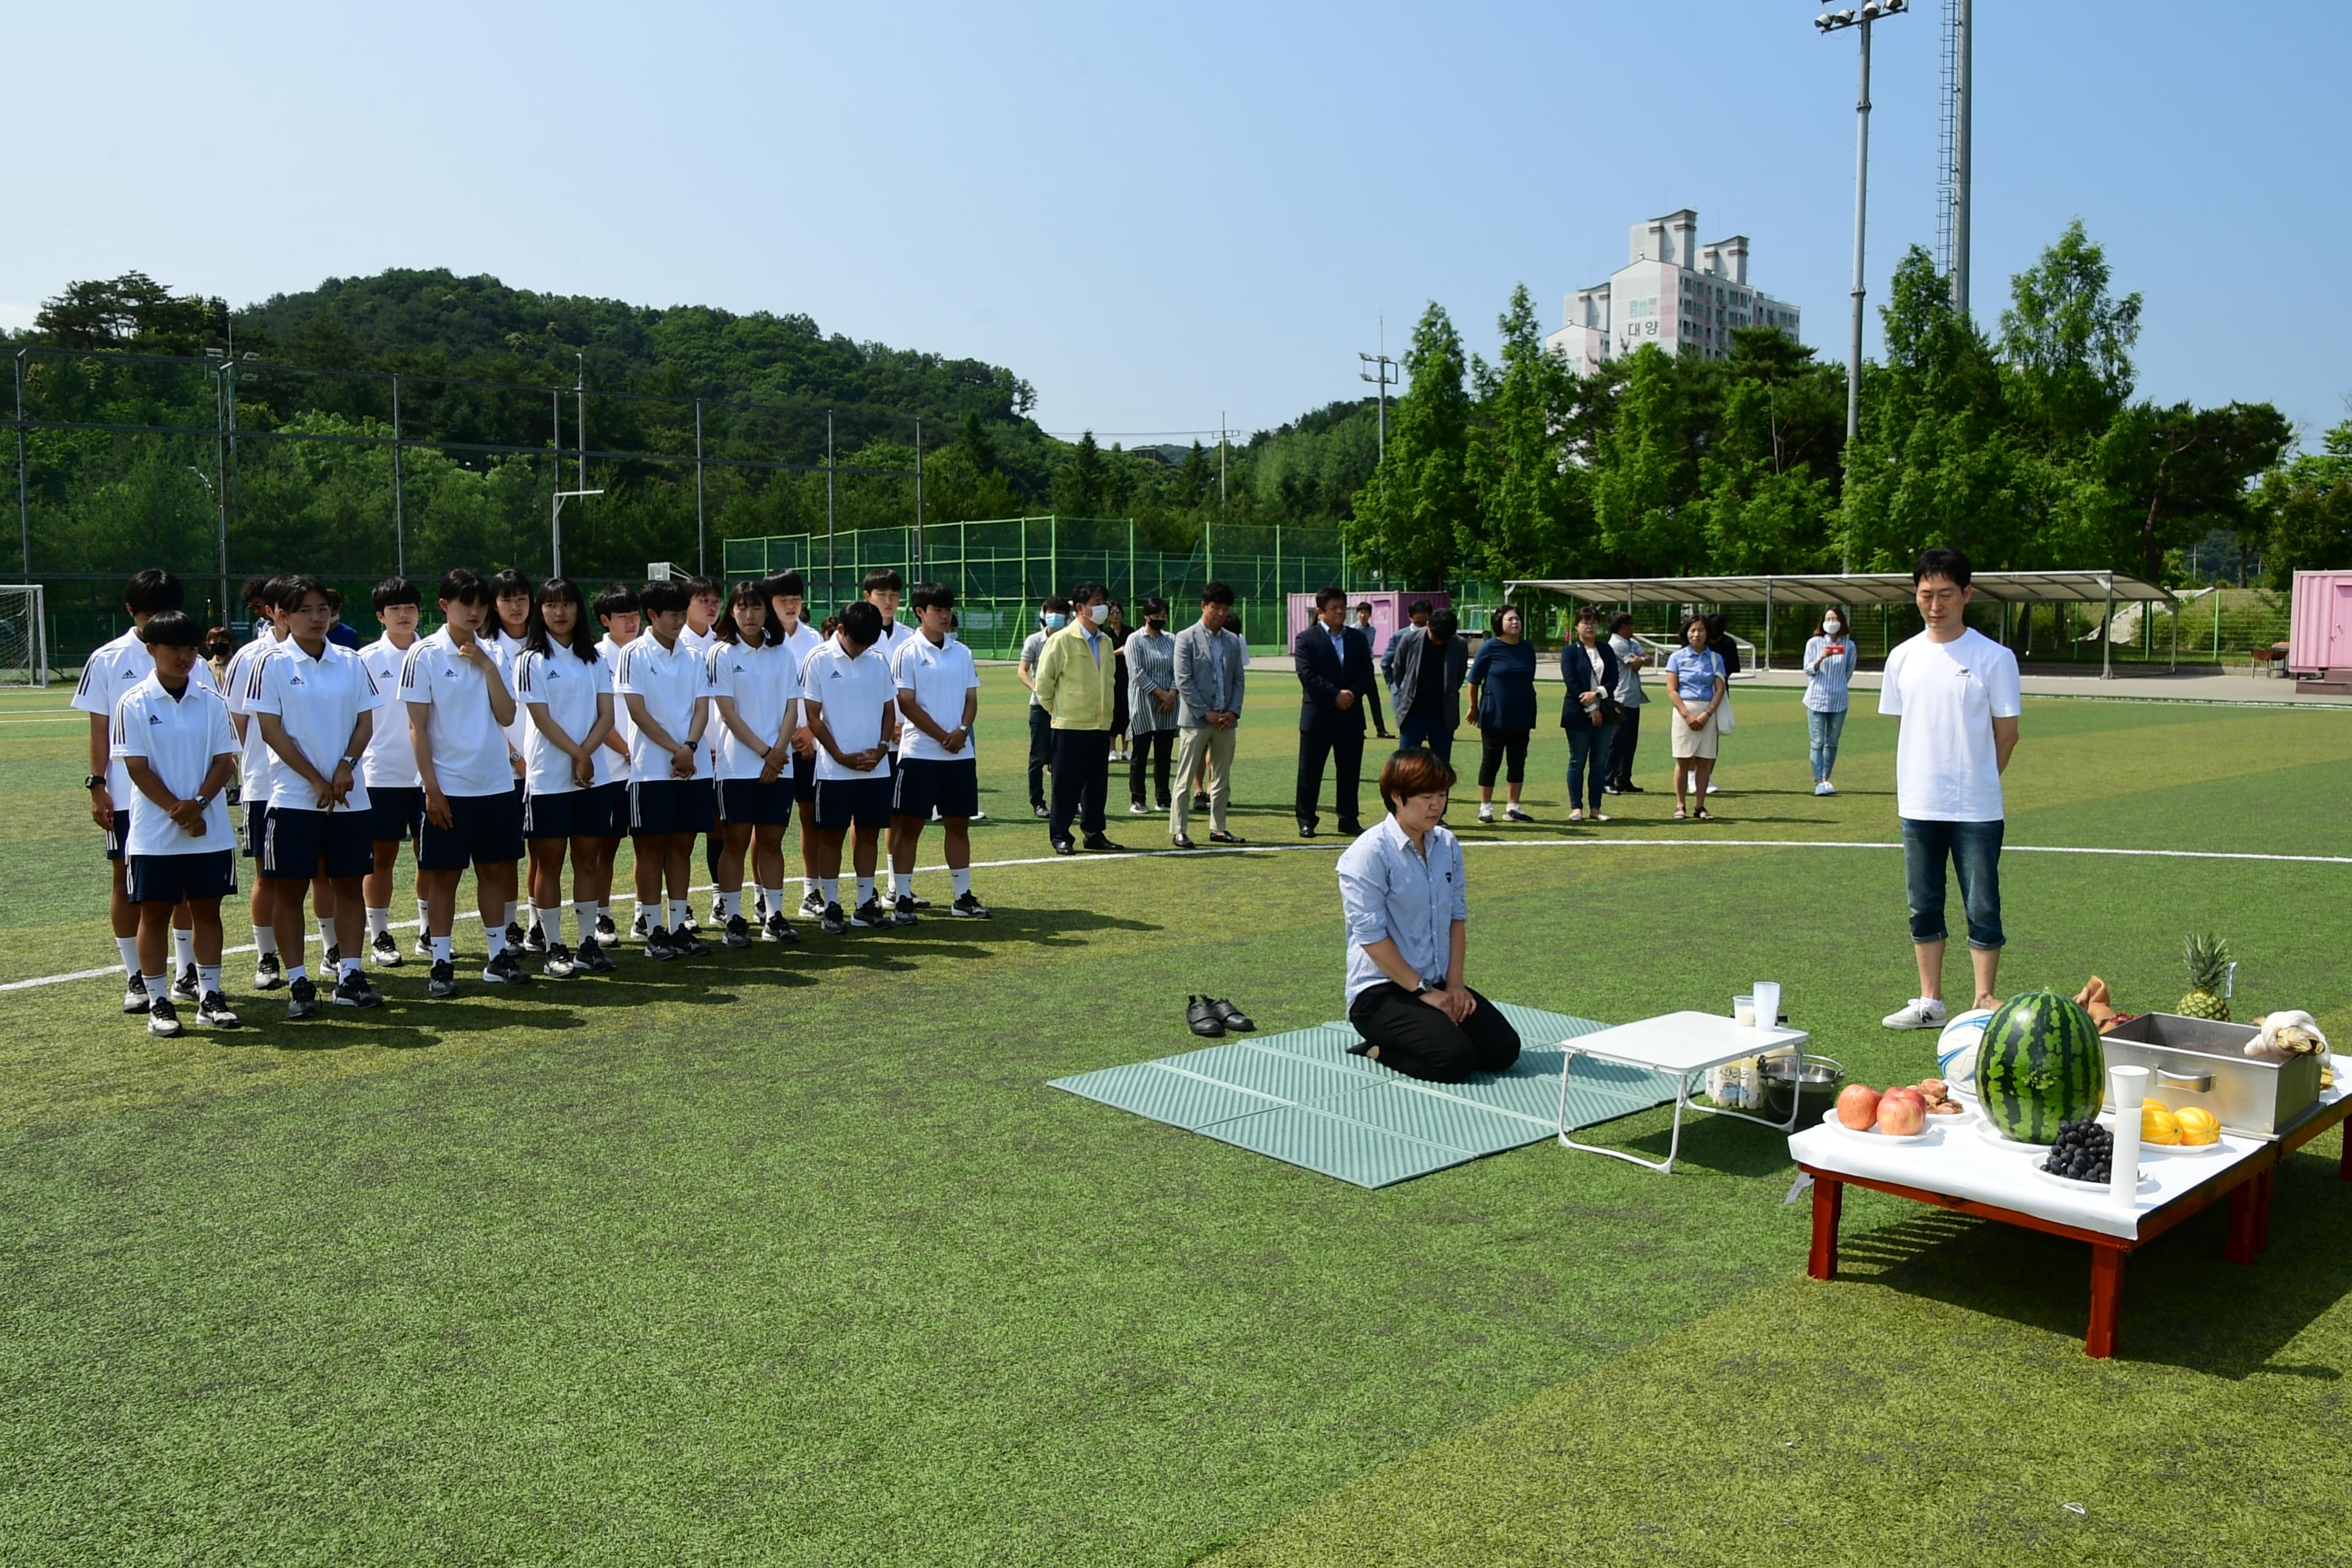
x=24 y=635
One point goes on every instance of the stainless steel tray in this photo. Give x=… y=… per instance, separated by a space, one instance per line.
x=2201 y=1062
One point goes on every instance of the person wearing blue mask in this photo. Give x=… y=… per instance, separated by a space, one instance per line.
x=1051 y=616
x=1830 y=658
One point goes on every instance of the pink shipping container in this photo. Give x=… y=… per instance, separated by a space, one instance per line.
x=2319 y=629
x=1387 y=614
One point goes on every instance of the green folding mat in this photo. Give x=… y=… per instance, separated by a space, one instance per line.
x=1302 y=1099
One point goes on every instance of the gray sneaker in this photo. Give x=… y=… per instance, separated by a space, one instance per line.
x=1919 y=1013
x=135 y=995
x=302 y=1000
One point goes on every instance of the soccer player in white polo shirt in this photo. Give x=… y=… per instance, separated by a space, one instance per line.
x=787 y=602
x=570 y=795
x=510 y=596
x=170 y=732
x=667 y=685
x=755 y=697
x=109 y=672
x=316 y=706
x=459 y=710
x=261 y=595
x=616 y=611
x=938 y=696
x=395 y=797
x=851 y=699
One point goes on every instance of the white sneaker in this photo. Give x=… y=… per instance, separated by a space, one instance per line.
x=1827 y=788
x=1820 y=787
x=1486 y=814
x=1713 y=787
x=1919 y=1013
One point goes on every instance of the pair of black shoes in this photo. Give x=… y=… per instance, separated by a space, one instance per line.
x=1211 y=1017
x=1099 y=843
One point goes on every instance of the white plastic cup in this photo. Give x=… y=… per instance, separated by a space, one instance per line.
x=1768 y=1003
x=1743 y=1011
x=2131 y=1085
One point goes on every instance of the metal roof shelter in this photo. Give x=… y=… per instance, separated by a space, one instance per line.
x=2101 y=588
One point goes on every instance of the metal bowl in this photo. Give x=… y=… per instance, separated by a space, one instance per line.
x=1788 y=1079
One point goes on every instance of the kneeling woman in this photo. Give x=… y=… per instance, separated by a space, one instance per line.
x=1404 y=893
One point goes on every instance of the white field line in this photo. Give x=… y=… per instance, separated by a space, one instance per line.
x=1335 y=842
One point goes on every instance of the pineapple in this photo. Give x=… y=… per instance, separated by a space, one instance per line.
x=2207 y=959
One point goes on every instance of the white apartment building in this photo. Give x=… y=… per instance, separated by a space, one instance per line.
x=1674 y=292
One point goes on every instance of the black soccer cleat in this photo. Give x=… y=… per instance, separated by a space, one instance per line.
x=780 y=929
x=969 y=907
x=214 y=1013
x=902 y=912
x=688 y=943
x=813 y=904
x=515 y=937
x=558 y=964
x=606 y=931
x=738 y=933
x=592 y=957
x=353 y=990
x=506 y=970
x=441 y=982
x=534 y=939
x=831 y=923
x=184 y=986
x=385 y=950
x=301 y=1001
x=163 y=1018
x=135 y=995
x=869 y=915
x=660 y=948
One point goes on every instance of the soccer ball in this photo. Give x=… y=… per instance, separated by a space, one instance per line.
x=1955 y=1049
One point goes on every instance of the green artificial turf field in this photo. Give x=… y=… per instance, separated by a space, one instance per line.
x=792 y=1257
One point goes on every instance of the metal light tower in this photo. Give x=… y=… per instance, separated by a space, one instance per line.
x=1381 y=370
x=579 y=433
x=1953 y=175
x=1860 y=16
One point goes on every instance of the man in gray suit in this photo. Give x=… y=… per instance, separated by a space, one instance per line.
x=1208 y=663
x=1427 y=666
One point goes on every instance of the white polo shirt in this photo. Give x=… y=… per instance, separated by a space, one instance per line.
x=391 y=759
x=318 y=700
x=763 y=681
x=1946 y=767
x=107 y=677
x=470 y=749
x=507 y=650
x=179 y=736
x=673 y=683
x=805 y=639
x=608 y=654
x=567 y=686
x=939 y=678
x=253 y=774
x=695 y=641
x=853 y=693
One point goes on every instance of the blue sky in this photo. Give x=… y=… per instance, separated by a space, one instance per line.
x=1161 y=215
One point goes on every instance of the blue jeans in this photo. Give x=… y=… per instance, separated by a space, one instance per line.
x=1588 y=763
x=1824 y=729
x=1431 y=730
x=1974 y=850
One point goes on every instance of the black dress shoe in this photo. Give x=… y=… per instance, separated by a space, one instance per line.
x=1305 y=830
x=1351 y=829
x=1103 y=845
x=1221 y=837
x=1184 y=841
x=1230 y=1017
x=1063 y=847
x=1201 y=1018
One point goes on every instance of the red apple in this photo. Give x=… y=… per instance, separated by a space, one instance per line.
x=1902 y=1112
x=1857 y=1106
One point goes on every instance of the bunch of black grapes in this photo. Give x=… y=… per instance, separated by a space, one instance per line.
x=2084 y=1152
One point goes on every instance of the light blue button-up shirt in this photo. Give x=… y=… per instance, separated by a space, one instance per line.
x=1387 y=888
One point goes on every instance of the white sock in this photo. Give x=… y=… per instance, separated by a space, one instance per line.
x=902 y=884
x=830 y=888
x=440 y=949
x=498 y=936
x=297 y=972
x=722 y=907
x=678 y=911
x=604 y=909
x=808 y=886
x=379 y=922
x=550 y=925
x=348 y=967
x=514 y=911
x=775 y=897
x=128 y=948
x=207 y=979
x=424 y=918
x=962 y=876
x=864 y=891
x=327 y=932
x=265 y=942
x=159 y=986
x=583 y=915
x=183 y=950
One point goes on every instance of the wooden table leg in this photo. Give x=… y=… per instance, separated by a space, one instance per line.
x=2238 y=1244
x=2264 y=1184
x=2106 y=1293
x=2343 y=1162
x=1829 y=1198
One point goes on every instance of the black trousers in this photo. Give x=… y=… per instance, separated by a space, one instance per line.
x=1345 y=750
x=1159 y=745
x=1041 y=747
x=1620 y=749
x=1421 y=1042
x=1081 y=774
x=1500 y=749
x=1372 y=700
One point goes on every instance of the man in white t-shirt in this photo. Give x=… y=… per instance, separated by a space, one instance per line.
x=851 y=700
x=1956 y=693
x=938 y=697
x=395 y=797
x=787 y=605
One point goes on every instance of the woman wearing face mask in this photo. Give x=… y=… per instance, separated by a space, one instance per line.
x=1829 y=655
x=1150 y=658
x=1502 y=706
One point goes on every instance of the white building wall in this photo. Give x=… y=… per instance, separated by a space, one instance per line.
x=1672 y=292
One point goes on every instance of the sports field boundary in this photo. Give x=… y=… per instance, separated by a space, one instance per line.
x=1602 y=842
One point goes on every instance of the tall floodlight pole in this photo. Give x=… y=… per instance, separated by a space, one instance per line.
x=1963 y=29
x=1833 y=22
x=1220 y=462
x=829 y=590
x=1380 y=370
x=23 y=508
x=580 y=435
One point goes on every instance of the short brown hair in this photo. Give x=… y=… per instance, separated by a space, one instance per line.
x=1412 y=773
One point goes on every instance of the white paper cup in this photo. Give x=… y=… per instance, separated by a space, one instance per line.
x=1768 y=1003
x=1743 y=1011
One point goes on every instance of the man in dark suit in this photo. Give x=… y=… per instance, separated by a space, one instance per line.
x=1335 y=669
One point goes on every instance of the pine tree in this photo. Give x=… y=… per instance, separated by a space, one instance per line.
x=1418 y=504
x=1516 y=459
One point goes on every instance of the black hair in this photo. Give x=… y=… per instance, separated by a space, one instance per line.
x=616 y=598
x=829 y=626
x=700 y=583
x=1418 y=608
x=537 y=639
x=861 y=623
x=783 y=585
x=664 y=596
x=395 y=591
x=254 y=592
x=933 y=596
x=1154 y=605
x=1331 y=595
x=334 y=597
x=460 y=586
x=1682 y=633
x=1217 y=594
x=881 y=579
x=1620 y=621
x=1088 y=593
x=171 y=628
x=220 y=639
x=506 y=580
x=1364 y=608
x=1716 y=626
x=1058 y=604
x=152 y=592
x=1942 y=561
x=1444 y=622
x=747 y=591
x=294 y=587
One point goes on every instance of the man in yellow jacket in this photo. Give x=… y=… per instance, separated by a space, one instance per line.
x=1077 y=678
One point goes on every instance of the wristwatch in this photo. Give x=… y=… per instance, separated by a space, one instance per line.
x=351 y=762
x=93 y=781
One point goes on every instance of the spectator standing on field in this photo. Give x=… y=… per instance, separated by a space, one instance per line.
x=1051 y=616
x=1955 y=692
x=1150 y=658
x=1372 y=640
x=1076 y=678
x=1631 y=660
x=1830 y=656
x=1502 y=706
x=1589 y=669
x=1117 y=629
x=1427 y=663
x=1694 y=685
x=1335 y=669
x=1208 y=663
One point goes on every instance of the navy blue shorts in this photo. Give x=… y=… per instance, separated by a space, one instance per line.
x=841 y=802
x=296 y=845
x=766 y=804
x=167 y=879
x=257 y=821
x=670 y=805
x=590 y=813
x=118 y=835
x=484 y=830
x=952 y=786
x=395 y=810
x=804 y=777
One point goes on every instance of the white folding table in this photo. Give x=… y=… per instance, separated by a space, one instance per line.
x=1684 y=1047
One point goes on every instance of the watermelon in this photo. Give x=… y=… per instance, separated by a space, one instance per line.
x=2039 y=1064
